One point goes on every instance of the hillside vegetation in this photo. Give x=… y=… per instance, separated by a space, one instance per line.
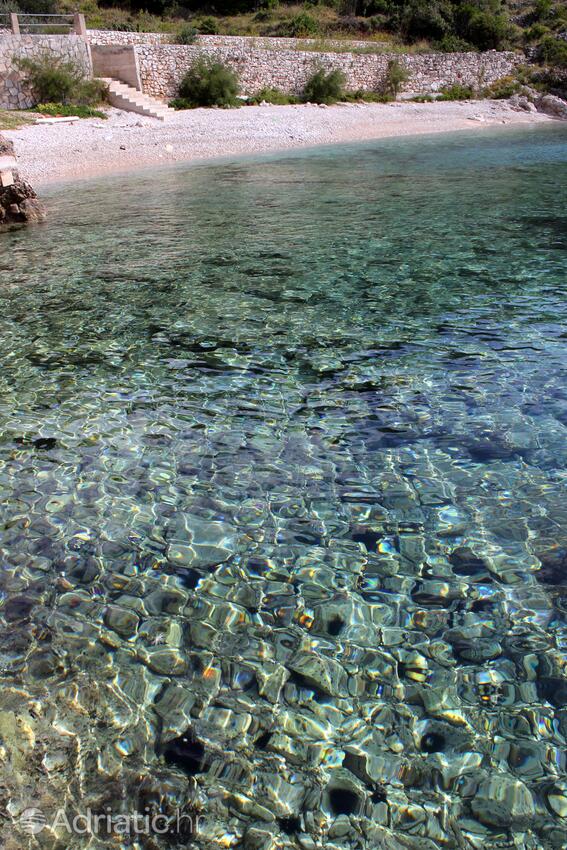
x=449 y=25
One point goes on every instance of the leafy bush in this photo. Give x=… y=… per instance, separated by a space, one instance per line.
x=33 y=7
x=396 y=76
x=535 y=32
x=553 y=52
x=484 y=29
x=186 y=35
x=55 y=80
x=456 y=92
x=453 y=44
x=208 y=25
x=62 y=110
x=6 y=6
x=503 y=88
x=324 y=87
x=274 y=96
x=543 y=9
x=301 y=25
x=416 y=19
x=360 y=95
x=208 y=83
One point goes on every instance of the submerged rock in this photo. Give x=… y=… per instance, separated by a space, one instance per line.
x=502 y=801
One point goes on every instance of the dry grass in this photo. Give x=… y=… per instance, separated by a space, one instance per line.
x=11 y=120
x=374 y=46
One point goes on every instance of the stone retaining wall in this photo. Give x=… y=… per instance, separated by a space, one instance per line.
x=118 y=38
x=162 y=68
x=13 y=91
x=234 y=41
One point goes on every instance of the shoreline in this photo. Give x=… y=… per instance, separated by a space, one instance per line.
x=126 y=142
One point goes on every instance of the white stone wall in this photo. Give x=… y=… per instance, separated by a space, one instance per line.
x=162 y=65
x=115 y=37
x=234 y=41
x=14 y=93
x=162 y=68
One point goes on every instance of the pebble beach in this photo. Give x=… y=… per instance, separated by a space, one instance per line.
x=126 y=141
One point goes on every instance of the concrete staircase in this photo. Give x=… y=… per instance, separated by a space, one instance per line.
x=131 y=100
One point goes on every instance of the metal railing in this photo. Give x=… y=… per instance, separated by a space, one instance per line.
x=25 y=24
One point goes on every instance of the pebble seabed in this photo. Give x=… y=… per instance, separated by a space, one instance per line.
x=283 y=523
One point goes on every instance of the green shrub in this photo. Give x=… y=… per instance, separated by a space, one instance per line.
x=33 y=7
x=423 y=98
x=486 y=30
x=454 y=44
x=396 y=76
x=208 y=25
x=62 y=110
x=302 y=25
x=208 y=83
x=6 y=6
x=456 y=92
x=535 y=32
x=554 y=52
x=417 y=19
x=324 y=87
x=187 y=34
x=503 y=88
x=361 y=96
x=543 y=9
x=275 y=96
x=55 y=80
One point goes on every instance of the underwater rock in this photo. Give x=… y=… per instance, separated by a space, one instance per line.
x=324 y=674
x=259 y=838
x=557 y=799
x=187 y=753
x=503 y=801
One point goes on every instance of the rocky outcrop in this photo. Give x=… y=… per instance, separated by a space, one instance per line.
x=6 y=147
x=552 y=105
x=19 y=203
x=531 y=100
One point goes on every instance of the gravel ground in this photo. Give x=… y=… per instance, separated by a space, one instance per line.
x=91 y=147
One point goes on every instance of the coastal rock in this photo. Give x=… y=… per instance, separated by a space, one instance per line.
x=6 y=147
x=33 y=210
x=19 y=203
x=552 y=105
x=522 y=103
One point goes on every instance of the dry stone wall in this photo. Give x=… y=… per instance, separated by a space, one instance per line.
x=234 y=41
x=14 y=93
x=118 y=38
x=162 y=68
x=281 y=63
x=256 y=61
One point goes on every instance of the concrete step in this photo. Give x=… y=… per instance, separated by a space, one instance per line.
x=123 y=96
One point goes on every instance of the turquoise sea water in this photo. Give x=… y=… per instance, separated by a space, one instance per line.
x=283 y=476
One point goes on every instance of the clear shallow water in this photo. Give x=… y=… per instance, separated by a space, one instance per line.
x=283 y=472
